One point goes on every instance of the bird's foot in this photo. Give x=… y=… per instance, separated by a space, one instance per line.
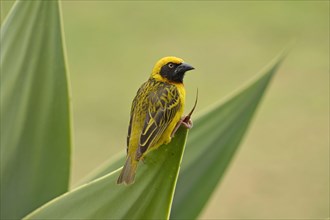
x=185 y=121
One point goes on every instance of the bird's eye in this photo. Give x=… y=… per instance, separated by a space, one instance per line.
x=171 y=65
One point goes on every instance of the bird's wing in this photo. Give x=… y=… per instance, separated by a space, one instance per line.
x=133 y=108
x=162 y=107
x=130 y=126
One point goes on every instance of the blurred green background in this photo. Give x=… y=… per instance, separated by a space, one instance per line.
x=282 y=167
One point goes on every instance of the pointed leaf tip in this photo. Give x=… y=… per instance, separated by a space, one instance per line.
x=213 y=142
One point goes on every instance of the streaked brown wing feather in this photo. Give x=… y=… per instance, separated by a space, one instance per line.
x=163 y=105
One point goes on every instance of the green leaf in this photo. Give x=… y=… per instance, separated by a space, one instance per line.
x=150 y=197
x=211 y=145
x=35 y=111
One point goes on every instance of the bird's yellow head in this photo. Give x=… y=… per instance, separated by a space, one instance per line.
x=170 y=69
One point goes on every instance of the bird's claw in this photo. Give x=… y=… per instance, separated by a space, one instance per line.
x=185 y=121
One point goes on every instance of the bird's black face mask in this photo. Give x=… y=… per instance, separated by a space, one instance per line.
x=175 y=72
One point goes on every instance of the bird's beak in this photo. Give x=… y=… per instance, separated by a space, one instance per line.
x=183 y=67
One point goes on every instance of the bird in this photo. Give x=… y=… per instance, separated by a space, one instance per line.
x=156 y=113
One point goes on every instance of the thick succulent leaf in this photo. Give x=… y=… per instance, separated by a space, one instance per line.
x=35 y=115
x=211 y=144
x=150 y=197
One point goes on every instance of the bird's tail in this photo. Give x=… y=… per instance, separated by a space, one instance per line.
x=127 y=174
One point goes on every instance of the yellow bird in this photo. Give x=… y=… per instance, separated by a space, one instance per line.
x=156 y=113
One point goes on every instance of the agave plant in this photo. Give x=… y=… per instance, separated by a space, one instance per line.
x=174 y=181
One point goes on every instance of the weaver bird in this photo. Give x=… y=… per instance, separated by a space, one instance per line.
x=156 y=113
